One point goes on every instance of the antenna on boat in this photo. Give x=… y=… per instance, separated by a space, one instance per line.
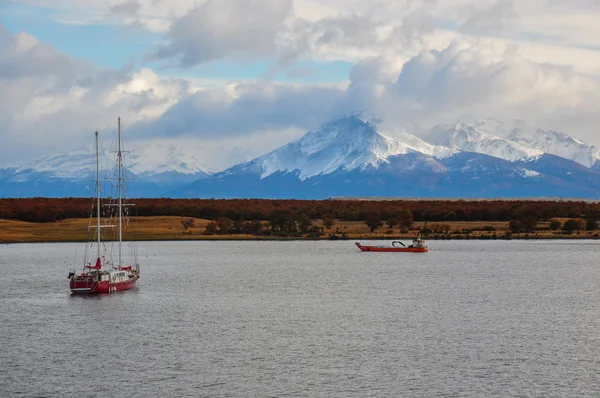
x=98 y=229
x=120 y=187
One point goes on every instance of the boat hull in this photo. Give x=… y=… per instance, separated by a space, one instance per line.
x=101 y=287
x=392 y=249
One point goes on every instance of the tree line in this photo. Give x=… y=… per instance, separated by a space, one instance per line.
x=374 y=213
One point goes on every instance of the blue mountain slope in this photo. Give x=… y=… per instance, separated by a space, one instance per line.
x=30 y=183
x=344 y=157
x=464 y=174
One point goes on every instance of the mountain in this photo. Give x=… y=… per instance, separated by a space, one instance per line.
x=513 y=141
x=350 y=157
x=153 y=171
x=475 y=138
x=559 y=144
x=344 y=144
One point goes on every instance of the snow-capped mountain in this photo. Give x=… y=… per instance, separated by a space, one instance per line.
x=345 y=144
x=75 y=164
x=147 y=160
x=513 y=141
x=154 y=159
x=350 y=157
x=156 y=169
x=474 y=138
x=557 y=143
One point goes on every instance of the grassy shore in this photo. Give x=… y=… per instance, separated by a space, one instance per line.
x=171 y=228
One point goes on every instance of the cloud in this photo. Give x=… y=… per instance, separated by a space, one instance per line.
x=465 y=81
x=416 y=62
x=219 y=28
x=50 y=100
x=251 y=29
x=468 y=80
x=246 y=108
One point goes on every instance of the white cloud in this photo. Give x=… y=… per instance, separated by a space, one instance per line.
x=416 y=62
x=49 y=100
x=467 y=81
x=238 y=110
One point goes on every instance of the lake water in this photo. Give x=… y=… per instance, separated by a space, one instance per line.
x=273 y=319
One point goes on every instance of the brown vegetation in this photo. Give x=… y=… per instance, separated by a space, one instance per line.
x=171 y=228
x=42 y=219
x=48 y=209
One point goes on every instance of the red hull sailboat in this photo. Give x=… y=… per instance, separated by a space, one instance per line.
x=98 y=281
x=107 y=276
x=418 y=246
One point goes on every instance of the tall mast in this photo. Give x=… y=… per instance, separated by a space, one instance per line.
x=98 y=193
x=120 y=187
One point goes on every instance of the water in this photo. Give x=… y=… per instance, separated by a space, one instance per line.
x=261 y=319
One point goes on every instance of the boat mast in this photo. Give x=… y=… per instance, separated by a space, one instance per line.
x=98 y=193
x=120 y=187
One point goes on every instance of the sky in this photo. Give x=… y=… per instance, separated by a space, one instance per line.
x=229 y=80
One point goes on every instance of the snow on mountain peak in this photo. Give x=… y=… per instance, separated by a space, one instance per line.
x=368 y=117
x=557 y=143
x=74 y=164
x=155 y=158
x=346 y=143
x=474 y=137
x=147 y=160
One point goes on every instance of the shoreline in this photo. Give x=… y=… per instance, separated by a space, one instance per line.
x=352 y=240
x=169 y=228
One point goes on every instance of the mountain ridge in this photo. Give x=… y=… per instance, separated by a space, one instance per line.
x=350 y=156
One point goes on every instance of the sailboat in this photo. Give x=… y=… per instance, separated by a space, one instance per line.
x=106 y=276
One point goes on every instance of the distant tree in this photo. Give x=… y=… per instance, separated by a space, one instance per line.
x=211 y=228
x=314 y=232
x=580 y=224
x=569 y=226
x=238 y=227
x=392 y=222
x=529 y=224
x=593 y=214
x=374 y=221
x=405 y=219
x=328 y=222
x=283 y=221
x=304 y=223
x=555 y=224
x=253 y=227
x=187 y=223
x=450 y=216
x=515 y=226
x=225 y=224
x=425 y=230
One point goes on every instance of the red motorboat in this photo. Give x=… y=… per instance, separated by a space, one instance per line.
x=107 y=276
x=418 y=246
